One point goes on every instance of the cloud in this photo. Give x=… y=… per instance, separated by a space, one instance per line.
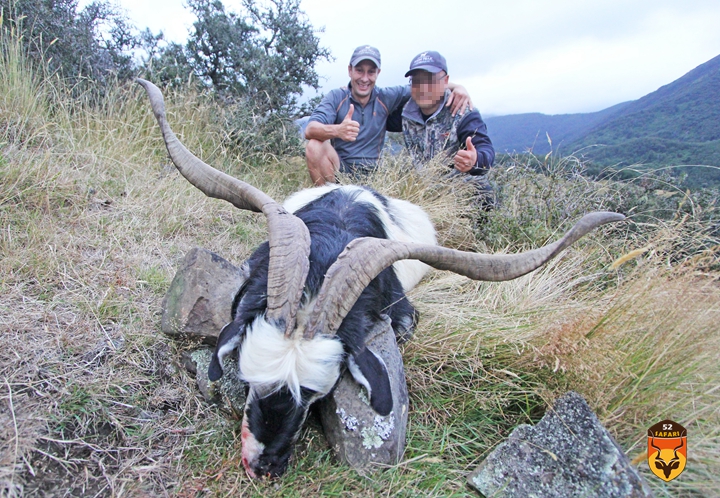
x=555 y=56
x=525 y=56
x=590 y=73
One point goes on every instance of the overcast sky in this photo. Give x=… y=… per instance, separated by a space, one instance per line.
x=513 y=56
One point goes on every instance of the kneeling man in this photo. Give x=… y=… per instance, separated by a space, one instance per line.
x=429 y=128
x=346 y=132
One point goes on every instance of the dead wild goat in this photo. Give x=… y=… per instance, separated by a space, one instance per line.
x=337 y=257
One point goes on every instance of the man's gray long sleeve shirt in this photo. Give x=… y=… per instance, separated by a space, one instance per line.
x=364 y=152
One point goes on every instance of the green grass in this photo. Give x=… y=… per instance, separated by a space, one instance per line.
x=94 y=223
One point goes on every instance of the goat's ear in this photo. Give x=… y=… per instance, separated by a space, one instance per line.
x=369 y=370
x=229 y=339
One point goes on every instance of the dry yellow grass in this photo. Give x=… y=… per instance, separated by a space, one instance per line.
x=94 y=400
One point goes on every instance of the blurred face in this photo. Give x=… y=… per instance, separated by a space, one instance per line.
x=362 y=80
x=427 y=89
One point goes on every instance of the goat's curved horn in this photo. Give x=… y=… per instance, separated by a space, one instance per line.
x=289 y=237
x=363 y=259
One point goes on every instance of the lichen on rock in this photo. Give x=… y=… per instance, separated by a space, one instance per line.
x=350 y=422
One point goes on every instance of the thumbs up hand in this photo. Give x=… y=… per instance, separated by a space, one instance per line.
x=348 y=130
x=465 y=160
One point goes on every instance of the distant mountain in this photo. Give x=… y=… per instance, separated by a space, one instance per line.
x=679 y=124
x=530 y=132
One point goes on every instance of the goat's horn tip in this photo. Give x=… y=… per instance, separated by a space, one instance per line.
x=605 y=217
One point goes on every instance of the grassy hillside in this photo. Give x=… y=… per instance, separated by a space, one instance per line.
x=686 y=109
x=94 y=221
x=689 y=163
x=677 y=125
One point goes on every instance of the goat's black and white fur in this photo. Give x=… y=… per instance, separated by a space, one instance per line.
x=345 y=257
x=285 y=375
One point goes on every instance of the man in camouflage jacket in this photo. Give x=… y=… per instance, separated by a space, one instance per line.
x=430 y=129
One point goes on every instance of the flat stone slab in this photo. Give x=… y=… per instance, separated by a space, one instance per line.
x=359 y=436
x=198 y=303
x=567 y=454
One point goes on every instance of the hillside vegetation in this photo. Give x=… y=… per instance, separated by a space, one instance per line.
x=676 y=128
x=94 y=220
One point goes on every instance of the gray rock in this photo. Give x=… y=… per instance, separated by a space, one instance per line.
x=567 y=454
x=199 y=301
x=358 y=435
x=228 y=392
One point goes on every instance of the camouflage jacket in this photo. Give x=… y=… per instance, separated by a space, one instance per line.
x=443 y=133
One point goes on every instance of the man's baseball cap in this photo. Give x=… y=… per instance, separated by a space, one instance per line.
x=431 y=62
x=365 y=53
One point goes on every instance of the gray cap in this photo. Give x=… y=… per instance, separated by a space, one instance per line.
x=365 y=53
x=430 y=61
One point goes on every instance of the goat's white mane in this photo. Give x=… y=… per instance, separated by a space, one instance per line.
x=268 y=360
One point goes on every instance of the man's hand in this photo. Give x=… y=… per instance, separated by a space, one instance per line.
x=465 y=160
x=348 y=130
x=459 y=100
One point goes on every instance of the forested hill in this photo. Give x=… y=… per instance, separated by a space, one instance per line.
x=679 y=124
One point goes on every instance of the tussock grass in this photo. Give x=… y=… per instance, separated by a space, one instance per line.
x=94 y=221
x=23 y=104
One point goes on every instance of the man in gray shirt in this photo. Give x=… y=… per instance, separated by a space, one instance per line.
x=346 y=132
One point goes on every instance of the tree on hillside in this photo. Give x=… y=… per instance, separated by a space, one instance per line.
x=257 y=62
x=93 y=45
x=264 y=54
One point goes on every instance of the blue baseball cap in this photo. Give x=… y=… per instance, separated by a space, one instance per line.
x=365 y=53
x=430 y=61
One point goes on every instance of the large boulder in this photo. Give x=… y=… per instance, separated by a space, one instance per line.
x=359 y=436
x=198 y=303
x=567 y=454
